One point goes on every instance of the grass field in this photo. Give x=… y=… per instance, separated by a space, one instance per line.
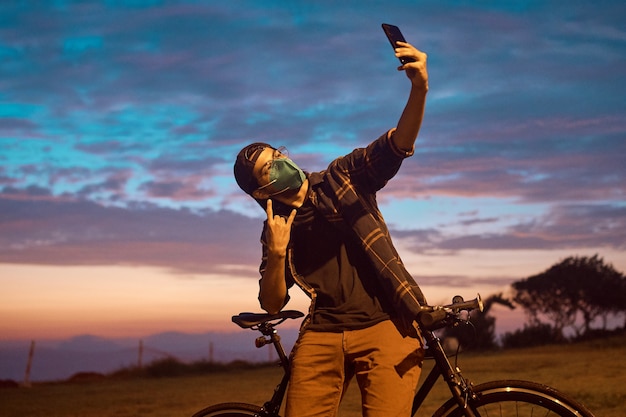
x=592 y=372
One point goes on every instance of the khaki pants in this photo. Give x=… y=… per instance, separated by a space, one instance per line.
x=386 y=365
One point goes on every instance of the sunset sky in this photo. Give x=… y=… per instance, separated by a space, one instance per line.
x=120 y=121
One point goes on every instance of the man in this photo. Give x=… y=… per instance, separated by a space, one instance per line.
x=324 y=233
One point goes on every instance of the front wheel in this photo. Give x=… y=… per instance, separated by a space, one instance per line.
x=517 y=398
x=230 y=410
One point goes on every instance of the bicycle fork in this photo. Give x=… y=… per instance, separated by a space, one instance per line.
x=460 y=387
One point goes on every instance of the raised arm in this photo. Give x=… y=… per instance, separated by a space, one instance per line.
x=411 y=119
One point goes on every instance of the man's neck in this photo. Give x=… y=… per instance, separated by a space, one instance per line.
x=294 y=199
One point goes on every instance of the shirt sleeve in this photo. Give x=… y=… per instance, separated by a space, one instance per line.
x=396 y=149
x=370 y=168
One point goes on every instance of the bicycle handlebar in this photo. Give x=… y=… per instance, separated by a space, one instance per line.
x=434 y=317
x=431 y=317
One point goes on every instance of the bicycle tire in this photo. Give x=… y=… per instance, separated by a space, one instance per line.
x=230 y=410
x=517 y=398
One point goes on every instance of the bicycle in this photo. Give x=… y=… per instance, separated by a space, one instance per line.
x=496 y=398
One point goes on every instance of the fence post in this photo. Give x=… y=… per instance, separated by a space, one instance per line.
x=29 y=364
x=140 y=356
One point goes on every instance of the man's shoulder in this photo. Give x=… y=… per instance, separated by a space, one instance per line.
x=316 y=177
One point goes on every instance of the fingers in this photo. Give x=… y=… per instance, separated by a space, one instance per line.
x=415 y=70
x=292 y=216
x=405 y=49
x=278 y=231
x=269 y=210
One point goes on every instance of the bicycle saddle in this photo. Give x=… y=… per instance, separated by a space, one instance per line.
x=248 y=320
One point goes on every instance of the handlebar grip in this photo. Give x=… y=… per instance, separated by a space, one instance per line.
x=467 y=305
x=430 y=318
x=476 y=303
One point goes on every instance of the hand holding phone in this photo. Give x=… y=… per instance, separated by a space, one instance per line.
x=394 y=35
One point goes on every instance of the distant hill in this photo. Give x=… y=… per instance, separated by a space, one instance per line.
x=59 y=360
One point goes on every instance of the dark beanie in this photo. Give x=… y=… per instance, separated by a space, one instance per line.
x=244 y=165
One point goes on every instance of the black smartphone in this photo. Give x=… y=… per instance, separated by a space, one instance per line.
x=394 y=34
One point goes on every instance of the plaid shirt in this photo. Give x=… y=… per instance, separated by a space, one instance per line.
x=345 y=194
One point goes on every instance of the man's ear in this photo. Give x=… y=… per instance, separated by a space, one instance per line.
x=260 y=194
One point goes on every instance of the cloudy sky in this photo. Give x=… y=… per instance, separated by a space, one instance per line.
x=119 y=122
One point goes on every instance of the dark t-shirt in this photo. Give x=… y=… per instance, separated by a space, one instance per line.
x=334 y=264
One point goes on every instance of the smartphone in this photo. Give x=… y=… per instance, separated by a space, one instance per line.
x=393 y=34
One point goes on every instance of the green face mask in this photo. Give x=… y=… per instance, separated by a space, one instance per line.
x=284 y=175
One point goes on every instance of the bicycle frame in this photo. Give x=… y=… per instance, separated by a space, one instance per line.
x=496 y=398
x=459 y=387
x=272 y=407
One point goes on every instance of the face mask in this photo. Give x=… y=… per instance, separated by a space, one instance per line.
x=284 y=175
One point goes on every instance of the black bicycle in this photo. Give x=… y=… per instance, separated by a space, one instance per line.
x=490 y=399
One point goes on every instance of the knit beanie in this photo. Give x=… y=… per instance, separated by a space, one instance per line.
x=244 y=165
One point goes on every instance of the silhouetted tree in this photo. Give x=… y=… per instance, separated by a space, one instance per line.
x=577 y=287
